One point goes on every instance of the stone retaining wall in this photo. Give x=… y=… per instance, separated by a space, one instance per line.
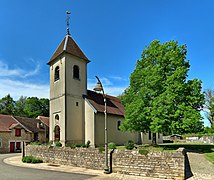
x=166 y=165
x=203 y=139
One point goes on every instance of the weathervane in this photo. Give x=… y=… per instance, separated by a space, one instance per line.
x=68 y=21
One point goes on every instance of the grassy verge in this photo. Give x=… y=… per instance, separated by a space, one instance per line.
x=210 y=157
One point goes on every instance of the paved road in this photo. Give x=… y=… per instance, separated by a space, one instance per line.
x=8 y=172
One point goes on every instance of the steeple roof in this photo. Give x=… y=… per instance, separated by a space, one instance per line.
x=70 y=46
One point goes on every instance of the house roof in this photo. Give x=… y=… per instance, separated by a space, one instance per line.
x=29 y=123
x=8 y=122
x=5 y=122
x=44 y=119
x=70 y=46
x=114 y=105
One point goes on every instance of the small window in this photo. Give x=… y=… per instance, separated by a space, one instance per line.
x=56 y=73
x=150 y=135
x=17 y=132
x=158 y=135
x=76 y=72
x=77 y=104
x=118 y=125
x=0 y=142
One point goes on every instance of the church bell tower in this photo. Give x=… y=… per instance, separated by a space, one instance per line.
x=68 y=83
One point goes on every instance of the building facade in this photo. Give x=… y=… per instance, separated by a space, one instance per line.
x=14 y=130
x=77 y=114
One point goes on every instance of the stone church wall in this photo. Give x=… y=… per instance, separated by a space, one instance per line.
x=166 y=165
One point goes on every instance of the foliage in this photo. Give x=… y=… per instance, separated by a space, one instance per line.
x=26 y=107
x=209 y=105
x=198 y=147
x=208 y=130
x=101 y=149
x=36 y=143
x=112 y=145
x=31 y=159
x=7 y=105
x=72 y=146
x=129 y=145
x=159 y=98
x=88 y=144
x=33 y=107
x=58 y=144
x=143 y=151
x=20 y=105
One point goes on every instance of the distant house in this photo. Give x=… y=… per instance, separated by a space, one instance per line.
x=14 y=130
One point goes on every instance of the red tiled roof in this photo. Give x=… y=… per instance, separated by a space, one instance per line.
x=44 y=119
x=114 y=105
x=68 y=45
x=29 y=123
x=6 y=121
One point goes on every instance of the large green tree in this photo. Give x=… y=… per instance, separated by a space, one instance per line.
x=20 y=106
x=209 y=105
x=160 y=98
x=34 y=107
x=7 y=105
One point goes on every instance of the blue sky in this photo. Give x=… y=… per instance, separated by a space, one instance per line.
x=111 y=33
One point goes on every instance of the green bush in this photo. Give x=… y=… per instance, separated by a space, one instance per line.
x=31 y=159
x=101 y=149
x=36 y=143
x=58 y=144
x=143 y=151
x=72 y=146
x=129 y=145
x=112 y=145
x=88 y=144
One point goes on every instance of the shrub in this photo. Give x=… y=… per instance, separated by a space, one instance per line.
x=31 y=159
x=58 y=144
x=101 y=149
x=143 y=151
x=36 y=143
x=88 y=144
x=72 y=146
x=112 y=145
x=129 y=145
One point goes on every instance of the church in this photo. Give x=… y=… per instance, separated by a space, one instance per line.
x=77 y=114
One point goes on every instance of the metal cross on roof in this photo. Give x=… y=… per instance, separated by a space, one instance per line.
x=68 y=21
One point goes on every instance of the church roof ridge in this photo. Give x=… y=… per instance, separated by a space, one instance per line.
x=70 y=46
x=114 y=105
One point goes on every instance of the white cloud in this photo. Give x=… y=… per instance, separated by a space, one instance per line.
x=18 y=88
x=5 y=71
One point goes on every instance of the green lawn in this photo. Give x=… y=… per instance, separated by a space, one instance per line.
x=210 y=157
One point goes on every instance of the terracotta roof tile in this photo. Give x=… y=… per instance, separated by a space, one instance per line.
x=29 y=123
x=70 y=46
x=114 y=105
x=44 y=119
x=6 y=121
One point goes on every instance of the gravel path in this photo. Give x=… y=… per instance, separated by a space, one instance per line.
x=201 y=168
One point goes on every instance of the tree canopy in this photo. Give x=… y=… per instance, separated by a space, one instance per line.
x=209 y=105
x=25 y=107
x=159 y=97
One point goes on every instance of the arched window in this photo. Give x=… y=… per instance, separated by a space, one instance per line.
x=56 y=73
x=57 y=117
x=57 y=133
x=76 y=70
